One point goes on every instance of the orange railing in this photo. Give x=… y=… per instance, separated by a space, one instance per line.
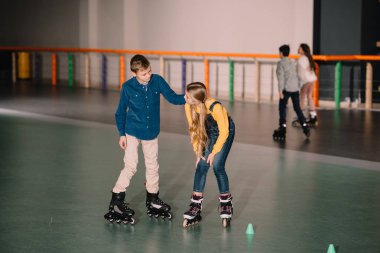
x=182 y=54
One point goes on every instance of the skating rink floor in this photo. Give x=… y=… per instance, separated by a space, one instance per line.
x=59 y=159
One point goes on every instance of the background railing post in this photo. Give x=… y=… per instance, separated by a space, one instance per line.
x=104 y=72
x=14 y=64
x=338 y=83
x=37 y=68
x=162 y=66
x=70 y=70
x=207 y=75
x=53 y=69
x=23 y=65
x=368 y=86
x=316 y=87
x=257 y=81
x=184 y=72
x=86 y=71
x=122 y=70
x=243 y=82
x=216 y=79
x=231 y=90
x=272 y=77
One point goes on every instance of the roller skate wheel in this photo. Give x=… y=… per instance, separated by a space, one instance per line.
x=132 y=221
x=149 y=214
x=118 y=221
x=156 y=216
x=169 y=216
x=225 y=222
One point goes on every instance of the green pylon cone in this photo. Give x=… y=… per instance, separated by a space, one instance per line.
x=331 y=249
x=249 y=230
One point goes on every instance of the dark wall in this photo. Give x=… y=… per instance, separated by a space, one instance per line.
x=39 y=23
x=371 y=35
x=345 y=27
x=42 y=23
x=340 y=26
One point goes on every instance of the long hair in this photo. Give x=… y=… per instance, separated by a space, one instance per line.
x=197 y=130
x=306 y=50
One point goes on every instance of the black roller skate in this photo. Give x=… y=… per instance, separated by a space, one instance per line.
x=226 y=209
x=193 y=215
x=157 y=207
x=312 y=121
x=280 y=133
x=306 y=130
x=119 y=211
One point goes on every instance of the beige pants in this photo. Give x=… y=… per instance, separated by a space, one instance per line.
x=150 y=150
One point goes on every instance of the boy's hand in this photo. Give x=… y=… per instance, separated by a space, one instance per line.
x=186 y=98
x=123 y=142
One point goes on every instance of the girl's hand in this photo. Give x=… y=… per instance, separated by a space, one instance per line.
x=210 y=159
x=197 y=161
x=123 y=142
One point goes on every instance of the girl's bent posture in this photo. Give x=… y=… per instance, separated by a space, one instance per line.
x=212 y=133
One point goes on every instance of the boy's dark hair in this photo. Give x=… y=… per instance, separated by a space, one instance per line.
x=139 y=62
x=285 y=50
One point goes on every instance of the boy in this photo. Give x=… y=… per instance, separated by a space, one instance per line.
x=138 y=121
x=288 y=86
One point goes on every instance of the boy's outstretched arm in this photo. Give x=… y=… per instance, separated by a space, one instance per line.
x=170 y=95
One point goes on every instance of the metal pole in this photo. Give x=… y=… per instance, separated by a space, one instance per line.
x=207 y=75
x=14 y=64
x=53 y=69
x=257 y=80
x=368 y=86
x=70 y=70
x=184 y=75
x=122 y=70
x=162 y=66
x=243 y=82
x=338 y=83
x=217 y=80
x=86 y=71
x=104 y=72
x=316 y=86
x=231 y=95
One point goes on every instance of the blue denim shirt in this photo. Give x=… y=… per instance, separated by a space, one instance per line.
x=138 y=113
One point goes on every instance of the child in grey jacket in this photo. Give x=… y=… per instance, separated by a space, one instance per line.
x=288 y=87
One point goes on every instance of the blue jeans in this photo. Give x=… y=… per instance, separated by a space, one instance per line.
x=219 y=162
x=295 y=96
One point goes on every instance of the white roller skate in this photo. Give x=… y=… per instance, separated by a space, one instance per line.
x=225 y=209
x=193 y=215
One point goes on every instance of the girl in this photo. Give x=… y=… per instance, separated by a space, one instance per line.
x=306 y=75
x=212 y=133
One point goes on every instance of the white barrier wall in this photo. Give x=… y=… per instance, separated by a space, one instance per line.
x=244 y=26
x=239 y=26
